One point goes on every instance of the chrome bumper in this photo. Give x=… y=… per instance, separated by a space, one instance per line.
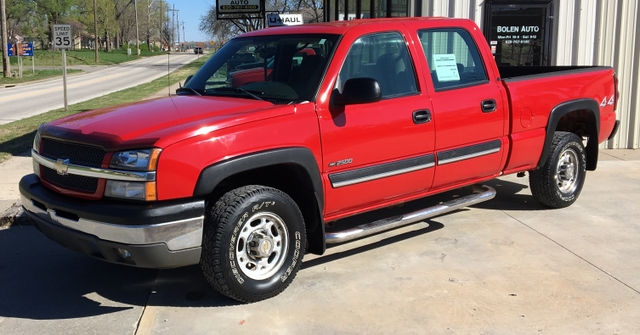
x=177 y=235
x=162 y=234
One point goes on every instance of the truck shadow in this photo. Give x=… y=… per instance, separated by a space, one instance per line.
x=510 y=197
x=433 y=226
x=40 y=280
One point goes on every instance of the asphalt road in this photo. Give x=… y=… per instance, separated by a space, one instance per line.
x=32 y=99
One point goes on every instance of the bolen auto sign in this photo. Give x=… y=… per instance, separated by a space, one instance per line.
x=238 y=6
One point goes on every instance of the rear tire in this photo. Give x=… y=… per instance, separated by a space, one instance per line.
x=254 y=241
x=558 y=182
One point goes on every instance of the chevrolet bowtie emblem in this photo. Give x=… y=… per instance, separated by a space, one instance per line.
x=61 y=166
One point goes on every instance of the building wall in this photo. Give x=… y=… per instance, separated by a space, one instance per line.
x=586 y=32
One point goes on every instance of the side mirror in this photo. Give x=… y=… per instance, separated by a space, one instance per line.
x=358 y=91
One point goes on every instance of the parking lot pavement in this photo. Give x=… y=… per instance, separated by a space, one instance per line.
x=506 y=266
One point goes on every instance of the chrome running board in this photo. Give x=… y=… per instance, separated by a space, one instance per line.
x=485 y=193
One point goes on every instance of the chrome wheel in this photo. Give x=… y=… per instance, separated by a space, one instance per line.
x=567 y=171
x=262 y=245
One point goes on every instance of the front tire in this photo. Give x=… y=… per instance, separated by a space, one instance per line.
x=254 y=241
x=558 y=182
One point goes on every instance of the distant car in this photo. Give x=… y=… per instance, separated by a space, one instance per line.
x=197 y=50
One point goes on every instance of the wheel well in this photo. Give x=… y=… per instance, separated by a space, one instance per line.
x=579 y=122
x=582 y=123
x=294 y=181
x=581 y=117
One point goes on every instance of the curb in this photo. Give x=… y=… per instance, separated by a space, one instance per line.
x=14 y=216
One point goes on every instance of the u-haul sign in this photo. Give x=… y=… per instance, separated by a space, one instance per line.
x=275 y=20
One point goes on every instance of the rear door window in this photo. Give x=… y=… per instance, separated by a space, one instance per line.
x=453 y=58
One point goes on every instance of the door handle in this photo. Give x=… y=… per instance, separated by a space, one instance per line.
x=489 y=106
x=422 y=116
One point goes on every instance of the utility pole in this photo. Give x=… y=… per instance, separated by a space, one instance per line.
x=5 y=40
x=173 y=27
x=95 y=26
x=178 y=25
x=184 y=35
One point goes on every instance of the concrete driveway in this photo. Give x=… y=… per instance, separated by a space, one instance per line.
x=507 y=266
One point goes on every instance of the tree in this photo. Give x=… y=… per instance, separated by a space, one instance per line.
x=155 y=17
x=52 y=12
x=125 y=19
x=313 y=11
x=222 y=30
x=20 y=17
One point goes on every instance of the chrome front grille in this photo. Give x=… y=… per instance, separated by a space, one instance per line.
x=71 y=182
x=77 y=154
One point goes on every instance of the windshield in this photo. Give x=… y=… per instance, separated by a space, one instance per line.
x=280 y=68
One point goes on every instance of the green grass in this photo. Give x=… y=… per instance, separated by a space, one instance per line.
x=17 y=137
x=80 y=57
x=28 y=75
x=53 y=59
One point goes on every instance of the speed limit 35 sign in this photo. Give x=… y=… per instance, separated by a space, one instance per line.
x=62 y=36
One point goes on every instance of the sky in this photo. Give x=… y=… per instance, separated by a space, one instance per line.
x=189 y=12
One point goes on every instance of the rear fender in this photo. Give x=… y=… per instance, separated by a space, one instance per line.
x=593 y=109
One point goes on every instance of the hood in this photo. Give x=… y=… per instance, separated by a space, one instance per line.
x=143 y=124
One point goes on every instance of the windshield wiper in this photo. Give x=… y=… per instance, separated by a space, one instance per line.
x=241 y=90
x=188 y=89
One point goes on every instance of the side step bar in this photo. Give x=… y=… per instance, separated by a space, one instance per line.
x=485 y=193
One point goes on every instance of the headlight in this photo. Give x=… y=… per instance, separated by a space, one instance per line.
x=38 y=138
x=138 y=160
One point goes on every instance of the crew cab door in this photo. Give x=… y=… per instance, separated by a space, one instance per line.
x=469 y=113
x=379 y=152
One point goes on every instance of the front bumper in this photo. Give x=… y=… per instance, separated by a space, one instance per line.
x=152 y=235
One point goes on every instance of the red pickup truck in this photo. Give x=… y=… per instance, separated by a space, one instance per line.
x=244 y=179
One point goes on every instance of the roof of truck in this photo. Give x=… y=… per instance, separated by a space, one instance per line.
x=341 y=27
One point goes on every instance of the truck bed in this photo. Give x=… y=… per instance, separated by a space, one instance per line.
x=530 y=72
x=534 y=93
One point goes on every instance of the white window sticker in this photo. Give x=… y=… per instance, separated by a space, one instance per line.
x=446 y=67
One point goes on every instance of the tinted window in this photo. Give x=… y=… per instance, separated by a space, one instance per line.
x=383 y=57
x=453 y=58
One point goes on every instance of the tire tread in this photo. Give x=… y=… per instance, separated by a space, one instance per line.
x=541 y=182
x=217 y=225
